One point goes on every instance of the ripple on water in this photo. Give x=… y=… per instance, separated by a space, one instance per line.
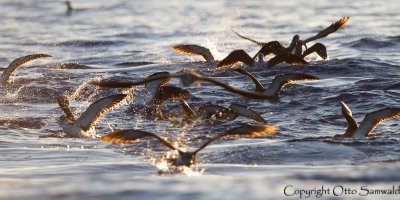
x=129 y=40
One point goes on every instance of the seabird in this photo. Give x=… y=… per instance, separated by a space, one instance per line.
x=187 y=158
x=157 y=92
x=194 y=49
x=295 y=46
x=258 y=61
x=5 y=77
x=69 y=7
x=193 y=78
x=81 y=127
x=370 y=121
x=232 y=58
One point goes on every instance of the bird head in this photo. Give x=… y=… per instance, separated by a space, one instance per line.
x=322 y=53
x=260 y=57
x=296 y=38
x=69 y=7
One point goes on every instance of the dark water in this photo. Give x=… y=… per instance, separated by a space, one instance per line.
x=132 y=40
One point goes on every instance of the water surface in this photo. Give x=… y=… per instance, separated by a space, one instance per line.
x=132 y=39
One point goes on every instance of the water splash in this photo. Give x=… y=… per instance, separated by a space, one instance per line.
x=74 y=94
x=12 y=95
x=165 y=166
x=213 y=49
x=193 y=171
x=77 y=90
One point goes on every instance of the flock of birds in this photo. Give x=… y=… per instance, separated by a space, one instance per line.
x=155 y=92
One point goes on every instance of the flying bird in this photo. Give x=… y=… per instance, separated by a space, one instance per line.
x=81 y=126
x=296 y=44
x=187 y=158
x=369 y=123
x=69 y=7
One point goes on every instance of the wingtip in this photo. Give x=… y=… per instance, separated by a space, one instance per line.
x=123 y=136
x=269 y=129
x=264 y=129
x=118 y=140
x=343 y=21
x=345 y=106
x=252 y=131
x=176 y=47
x=181 y=48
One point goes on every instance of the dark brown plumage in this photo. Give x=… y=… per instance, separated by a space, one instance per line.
x=234 y=57
x=288 y=58
x=17 y=63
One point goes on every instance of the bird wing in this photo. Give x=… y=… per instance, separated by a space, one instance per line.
x=243 y=131
x=234 y=57
x=63 y=102
x=332 y=28
x=371 y=120
x=247 y=38
x=194 y=50
x=259 y=86
x=170 y=92
x=245 y=111
x=127 y=84
x=97 y=109
x=352 y=124
x=18 y=62
x=245 y=93
x=160 y=79
x=319 y=48
x=133 y=135
x=271 y=47
x=288 y=58
x=281 y=80
x=125 y=136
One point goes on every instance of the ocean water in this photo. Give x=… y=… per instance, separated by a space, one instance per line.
x=131 y=39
